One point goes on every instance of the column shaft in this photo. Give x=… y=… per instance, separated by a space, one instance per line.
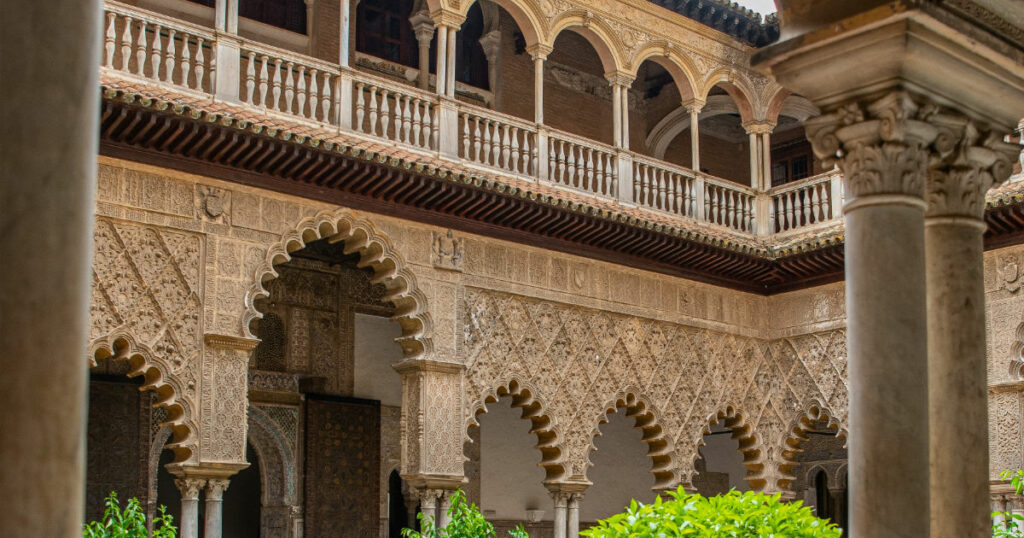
x=753 y=142
x=346 y=27
x=450 y=76
x=695 y=138
x=214 y=508
x=442 y=59
x=885 y=307
x=442 y=512
x=957 y=377
x=624 y=93
x=766 y=161
x=48 y=150
x=538 y=89
x=574 y=516
x=617 y=115
x=560 y=514
x=188 y=527
x=423 y=79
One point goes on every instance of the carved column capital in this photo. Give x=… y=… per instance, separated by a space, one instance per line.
x=422 y=26
x=561 y=498
x=961 y=175
x=190 y=487
x=215 y=489
x=694 y=105
x=539 y=50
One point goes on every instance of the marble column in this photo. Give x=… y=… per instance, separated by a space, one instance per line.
x=48 y=150
x=428 y=508
x=423 y=28
x=442 y=511
x=616 y=115
x=441 y=70
x=539 y=55
x=884 y=162
x=189 y=488
x=755 y=161
x=561 y=499
x=969 y=164
x=624 y=95
x=412 y=502
x=450 y=74
x=215 y=489
x=766 y=159
x=574 y=515
x=694 y=110
x=491 y=43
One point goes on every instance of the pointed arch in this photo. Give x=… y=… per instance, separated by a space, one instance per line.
x=527 y=14
x=648 y=420
x=375 y=251
x=736 y=87
x=735 y=420
x=595 y=31
x=797 y=435
x=158 y=377
x=524 y=397
x=678 y=65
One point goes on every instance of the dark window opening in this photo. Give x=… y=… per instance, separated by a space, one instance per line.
x=383 y=30
x=287 y=14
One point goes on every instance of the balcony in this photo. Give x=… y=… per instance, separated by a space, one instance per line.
x=280 y=86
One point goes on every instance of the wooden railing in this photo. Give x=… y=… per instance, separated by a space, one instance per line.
x=149 y=46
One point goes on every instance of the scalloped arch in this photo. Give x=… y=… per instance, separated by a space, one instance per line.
x=753 y=457
x=523 y=397
x=597 y=32
x=684 y=72
x=275 y=457
x=375 y=251
x=157 y=378
x=796 y=436
x=648 y=420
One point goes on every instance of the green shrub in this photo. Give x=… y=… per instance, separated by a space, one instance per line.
x=734 y=514
x=130 y=523
x=466 y=521
x=1012 y=525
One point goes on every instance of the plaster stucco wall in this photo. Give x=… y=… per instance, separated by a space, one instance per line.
x=375 y=352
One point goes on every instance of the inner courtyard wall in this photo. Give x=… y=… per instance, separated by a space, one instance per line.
x=571 y=337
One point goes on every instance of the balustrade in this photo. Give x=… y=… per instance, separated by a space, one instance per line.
x=498 y=141
x=727 y=205
x=398 y=114
x=582 y=164
x=806 y=202
x=158 y=48
x=279 y=81
x=661 y=186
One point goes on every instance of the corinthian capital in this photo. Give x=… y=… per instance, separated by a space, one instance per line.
x=976 y=162
x=215 y=489
x=190 y=487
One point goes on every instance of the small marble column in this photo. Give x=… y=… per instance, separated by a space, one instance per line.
x=412 y=502
x=755 y=165
x=423 y=27
x=345 y=25
x=539 y=53
x=491 y=43
x=884 y=162
x=189 y=488
x=561 y=499
x=574 y=515
x=441 y=71
x=694 y=109
x=766 y=160
x=624 y=94
x=450 y=76
x=442 y=512
x=215 y=489
x=428 y=508
x=616 y=115
x=957 y=365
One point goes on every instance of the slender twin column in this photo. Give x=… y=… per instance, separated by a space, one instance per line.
x=539 y=52
x=620 y=108
x=567 y=513
x=760 y=154
x=561 y=499
x=423 y=27
x=694 y=107
x=446 y=59
x=574 y=515
x=189 y=488
x=215 y=489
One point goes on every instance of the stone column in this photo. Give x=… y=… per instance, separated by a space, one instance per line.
x=616 y=115
x=969 y=164
x=624 y=94
x=450 y=74
x=755 y=161
x=491 y=43
x=884 y=162
x=442 y=60
x=442 y=511
x=423 y=27
x=428 y=507
x=48 y=150
x=215 y=489
x=766 y=159
x=412 y=502
x=311 y=25
x=561 y=499
x=574 y=515
x=539 y=53
x=694 y=108
x=346 y=28
x=189 y=488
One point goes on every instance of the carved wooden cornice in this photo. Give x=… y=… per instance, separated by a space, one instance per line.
x=216 y=145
